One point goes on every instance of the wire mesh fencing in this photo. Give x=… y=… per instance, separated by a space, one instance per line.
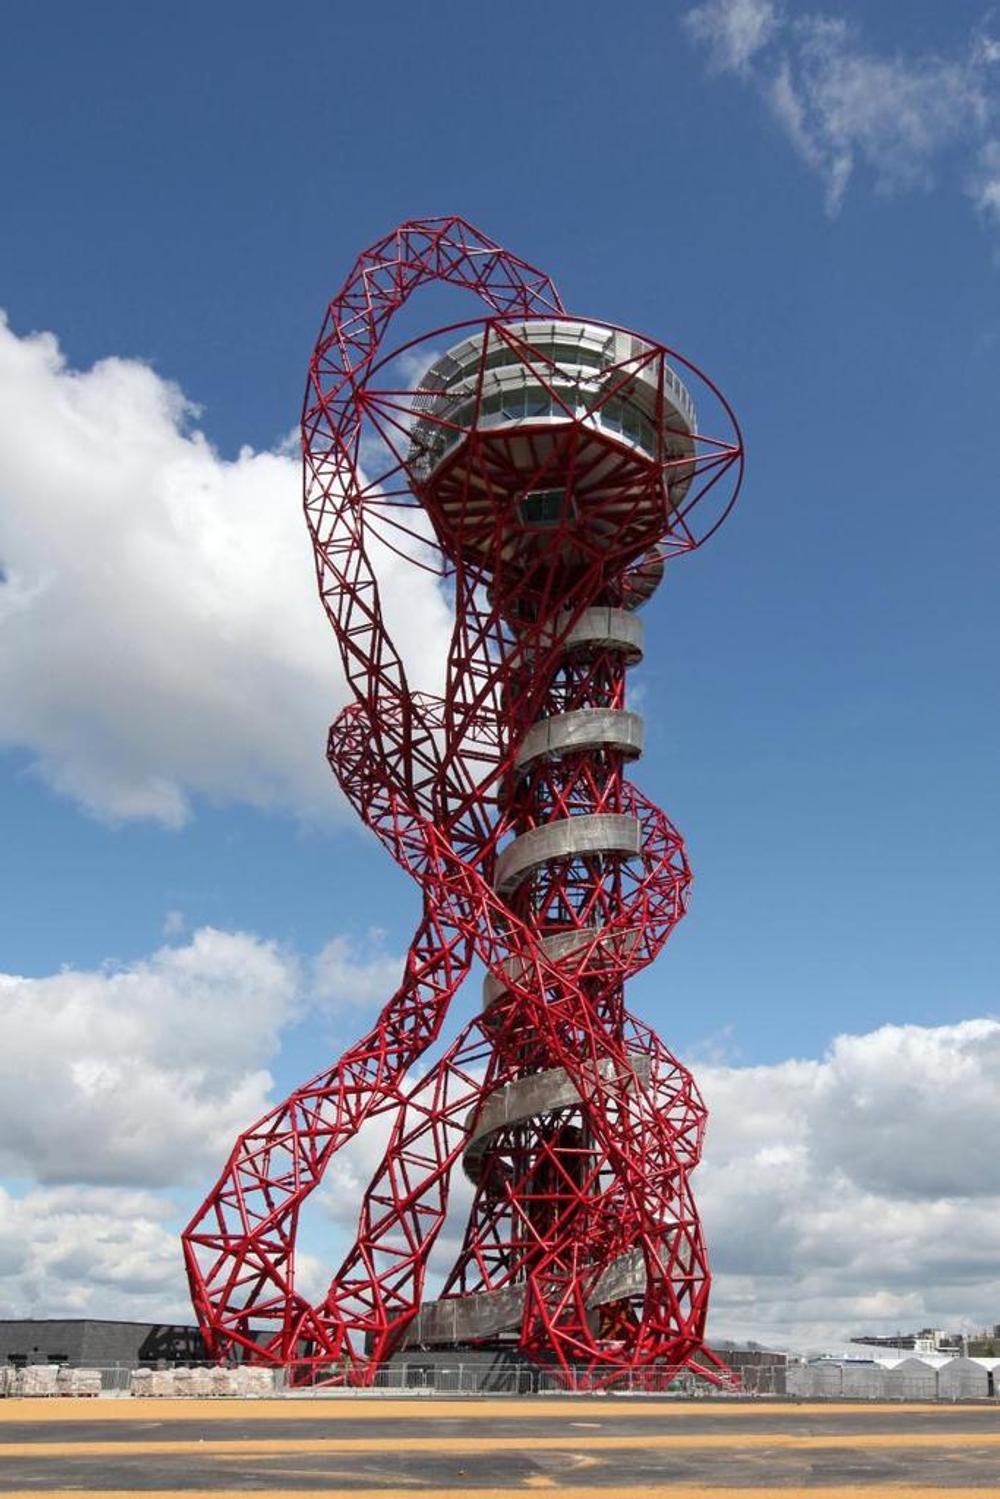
x=428 y=1380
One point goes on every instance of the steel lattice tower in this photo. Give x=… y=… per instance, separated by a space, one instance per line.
x=546 y=467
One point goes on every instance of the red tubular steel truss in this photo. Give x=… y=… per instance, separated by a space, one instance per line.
x=545 y=468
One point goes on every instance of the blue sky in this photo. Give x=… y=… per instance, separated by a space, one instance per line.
x=803 y=199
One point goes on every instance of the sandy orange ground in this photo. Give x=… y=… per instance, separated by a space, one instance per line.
x=972 y=1436
x=470 y=1408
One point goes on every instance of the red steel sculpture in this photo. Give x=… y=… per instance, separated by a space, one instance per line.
x=546 y=467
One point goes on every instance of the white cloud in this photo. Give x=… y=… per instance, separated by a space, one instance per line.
x=984 y=182
x=857 y=1193
x=162 y=639
x=123 y=1084
x=81 y=1252
x=347 y=1179
x=733 y=30
x=347 y=974
x=141 y=1075
x=841 y=104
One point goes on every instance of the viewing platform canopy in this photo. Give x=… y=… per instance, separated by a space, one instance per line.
x=555 y=439
x=550 y=371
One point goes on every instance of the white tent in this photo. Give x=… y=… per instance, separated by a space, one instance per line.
x=911 y=1379
x=862 y=1381
x=963 y=1379
x=833 y=1378
x=812 y=1381
x=894 y=1359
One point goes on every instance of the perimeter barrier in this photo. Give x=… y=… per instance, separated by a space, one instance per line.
x=793 y=1382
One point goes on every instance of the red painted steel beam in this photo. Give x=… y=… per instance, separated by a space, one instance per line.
x=583 y=1244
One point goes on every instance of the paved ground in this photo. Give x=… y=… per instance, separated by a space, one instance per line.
x=482 y=1449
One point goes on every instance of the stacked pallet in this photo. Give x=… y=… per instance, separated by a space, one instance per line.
x=37 y=1379
x=254 y=1381
x=155 y=1382
x=196 y=1383
x=80 y=1382
x=243 y=1381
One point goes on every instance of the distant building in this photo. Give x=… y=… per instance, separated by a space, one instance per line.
x=98 y=1343
x=928 y=1340
x=984 y=1343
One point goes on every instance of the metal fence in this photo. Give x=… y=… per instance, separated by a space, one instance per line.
x=518 y=1380
x=522 y=1379
x=442 y=1380
x=116 y=1380
x=407 y=1379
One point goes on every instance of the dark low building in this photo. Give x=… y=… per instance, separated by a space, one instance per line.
x=100 y=1344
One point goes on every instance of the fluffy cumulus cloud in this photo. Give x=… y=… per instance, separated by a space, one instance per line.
x=121 y=1092
x=141 y=1075
x=344 y=1186
x=348 y=973
x=101 y=1252
x=842 y=104
x=161 y=635
x=857 y=1193
x=83 y=1252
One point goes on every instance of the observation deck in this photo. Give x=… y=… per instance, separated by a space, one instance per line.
x=560 y=426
